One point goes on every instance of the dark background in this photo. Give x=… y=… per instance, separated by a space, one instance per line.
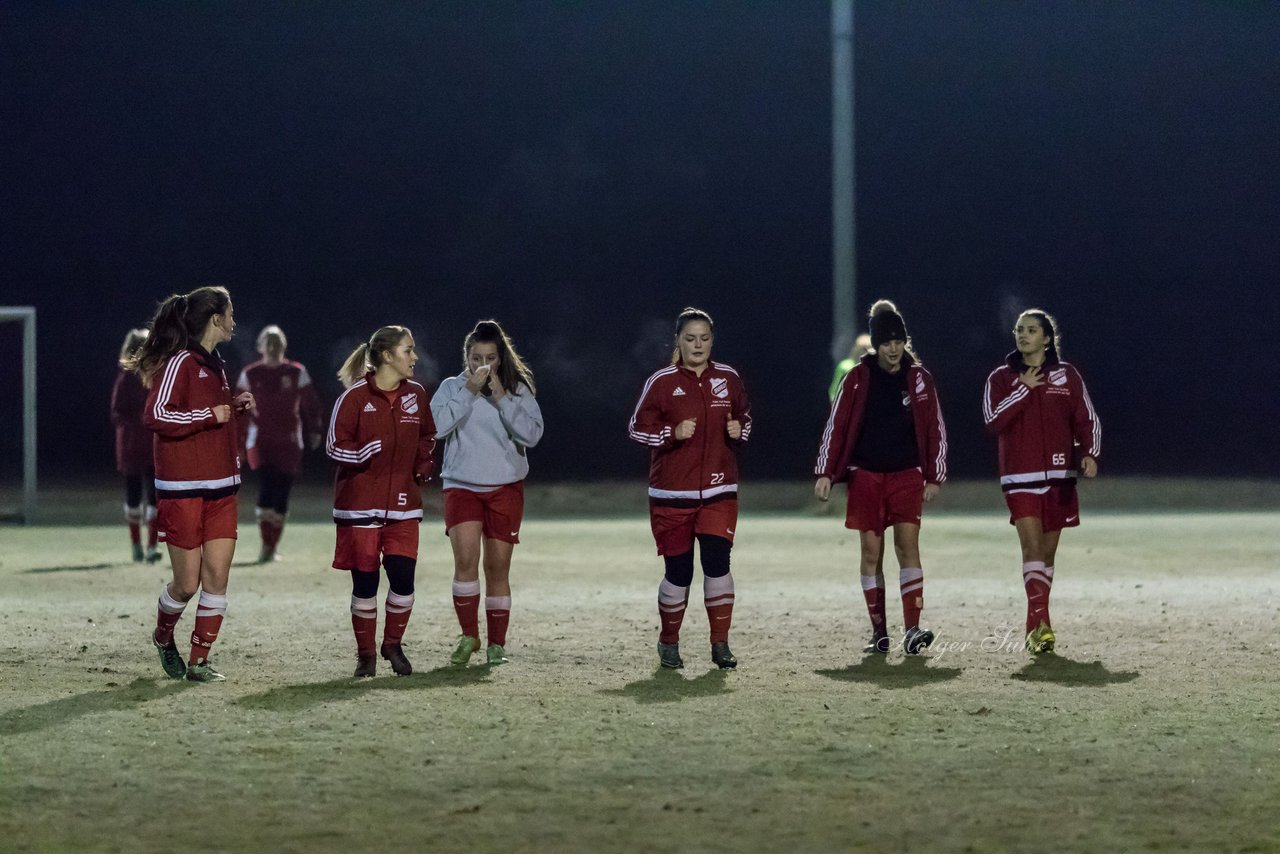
x=581 y=171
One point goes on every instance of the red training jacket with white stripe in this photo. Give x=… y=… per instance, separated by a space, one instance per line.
x=286 y=405
x=195 y=456
x=705 y=466
x=382 y=442
x=1044 y=431
x=844 y=424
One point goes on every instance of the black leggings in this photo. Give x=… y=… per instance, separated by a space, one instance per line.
x=364 y=585
x=273 y=490
x=715 y=560
x=136 y=485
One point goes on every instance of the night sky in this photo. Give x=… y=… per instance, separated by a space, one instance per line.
x=582 y=171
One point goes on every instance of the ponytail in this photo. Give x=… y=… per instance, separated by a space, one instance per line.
x=180 y=319
x=367 y=357
x=355 y=367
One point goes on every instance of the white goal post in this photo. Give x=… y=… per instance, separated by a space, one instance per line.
x=27 y=314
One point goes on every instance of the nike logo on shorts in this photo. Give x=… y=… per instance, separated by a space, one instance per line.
x=1071 y=518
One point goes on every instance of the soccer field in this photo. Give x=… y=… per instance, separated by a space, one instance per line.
x=1155 y=727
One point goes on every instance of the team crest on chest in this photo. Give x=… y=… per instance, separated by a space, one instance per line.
x=286 y=382
x=1058 y=376
x=720 y=387
x=409 y=403
x=919 y=384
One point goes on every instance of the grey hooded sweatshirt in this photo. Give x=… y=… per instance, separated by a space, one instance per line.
x=484 y=439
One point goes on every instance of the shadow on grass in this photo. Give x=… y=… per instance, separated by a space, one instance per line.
x=669 y=686
x=288 y=698
x=55 y=712
x=87 y=567
x=1064 y=671
x=876 y=670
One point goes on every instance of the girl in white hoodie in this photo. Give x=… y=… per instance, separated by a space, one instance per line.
x=486 y=417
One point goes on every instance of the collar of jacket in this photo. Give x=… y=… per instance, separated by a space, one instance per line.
x=871 y=360
x=1014 y=360
x=204 y=357
x=373 y=386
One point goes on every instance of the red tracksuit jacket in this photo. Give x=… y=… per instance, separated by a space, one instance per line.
x=848 y=409
x=133 y=439
x=1044 y=431
x=706 y=465
x=195 y=456
x=382 y=442
x=287 y=405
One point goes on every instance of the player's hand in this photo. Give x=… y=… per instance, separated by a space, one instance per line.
x=931 y=491
x=684 y=430
x=222 y=413
x=314 y=440
x=495 y=385
x=734 y=428
x=1089 y=467
x=245 y=403
x=822 y=488
x=477 y=378
x=1031 y=377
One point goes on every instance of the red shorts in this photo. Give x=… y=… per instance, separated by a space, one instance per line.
x=189 y=523
x=675 y=527
x=1056 y=509
x=499 y=512
x=878 y=500
x=361 y=547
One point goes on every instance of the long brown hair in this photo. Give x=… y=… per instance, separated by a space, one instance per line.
x=368 y=356
x=180 y=321
x=689 y=315
x=512 y=369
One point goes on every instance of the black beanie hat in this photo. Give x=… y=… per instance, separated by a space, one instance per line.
x=887 y=325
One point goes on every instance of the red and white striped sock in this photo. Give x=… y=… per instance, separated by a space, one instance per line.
x=717 y=595
x=153 y=531
x=398 y=609
x=1048 y=573
x=1036 y=583
x=466 y=604
x=497 y=614
x=133 y=518
x=168 y=612
x=911 y=583
x=209 y=613
x=672 y=601
x=873 y=592
x=364 y=623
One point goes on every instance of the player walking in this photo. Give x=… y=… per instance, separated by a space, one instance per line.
x=886 y=437
x=287 y=405
x=488 y=417
x=381 y=436
x=1039 y=407
x=694 y=415
x=133 y=450
x=192 y=414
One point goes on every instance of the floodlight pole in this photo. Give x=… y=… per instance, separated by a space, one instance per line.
x=27 y=314
x=844 y=271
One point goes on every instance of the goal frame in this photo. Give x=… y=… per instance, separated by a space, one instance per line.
x=27 y=315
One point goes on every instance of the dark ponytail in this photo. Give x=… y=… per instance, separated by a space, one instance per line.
x=179 y=321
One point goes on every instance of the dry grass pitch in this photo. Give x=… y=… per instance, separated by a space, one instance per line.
x=1156 y=727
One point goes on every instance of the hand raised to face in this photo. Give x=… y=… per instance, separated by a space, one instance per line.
x=477 y=378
